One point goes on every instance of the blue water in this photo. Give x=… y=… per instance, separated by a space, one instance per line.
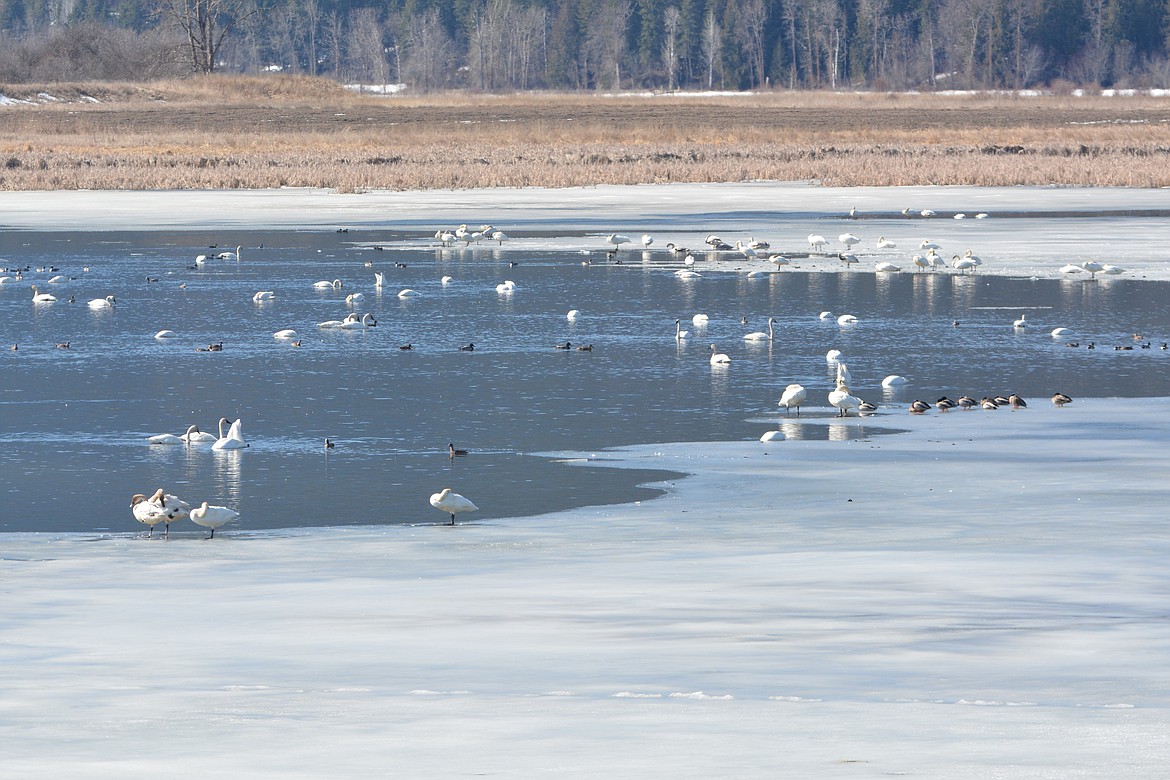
x=73 y=422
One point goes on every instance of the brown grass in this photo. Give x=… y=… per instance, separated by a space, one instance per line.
x=232 y=132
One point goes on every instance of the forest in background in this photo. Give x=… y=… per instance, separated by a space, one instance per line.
x=509 y=45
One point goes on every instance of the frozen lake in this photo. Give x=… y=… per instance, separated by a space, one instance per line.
x=961 y=595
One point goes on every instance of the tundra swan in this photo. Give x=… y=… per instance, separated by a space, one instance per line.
x=760 y=335
x=212 y=516
x=793 y=395
x=451 y=503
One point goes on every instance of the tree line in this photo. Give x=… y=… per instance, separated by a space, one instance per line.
x=505 y=45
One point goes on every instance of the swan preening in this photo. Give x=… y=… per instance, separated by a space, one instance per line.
x=264 y=295
x=451 y=503
x=760 y=335
x=158 y=508
x=793 y=395
x=192 y=436
x=336 y=284
x=100 y=303
x=843 y=400
x=212 y=516
x=164 y=334
x=352 y=321
x=506 y=287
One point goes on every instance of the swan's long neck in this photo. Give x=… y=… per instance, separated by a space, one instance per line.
x=769 y=328
x=222 y=420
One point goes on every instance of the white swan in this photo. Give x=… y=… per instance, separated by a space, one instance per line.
x=59 y=279
x=196 y=436
x=849 y=259
x=1021 y=323
x=159 y=508
x=572 y=315
x=1059 y=333
x=353 y=321
x=849 y=240
x=746 y=250
x=101 y=303
x=212 y=516
x=451 y=503
x=617 y=239
x=234 y=439
x=499 y=237
x=679 y=333
x=230 y=255
x=171 y=438
x=1112 y=270
x=928 y=244
x=778 y=260
x=921 y=263
x=647 y=240
x=287 y=333
x=336 y=284
x=894 y=380
x=961 y=264
x=408 y=293
x=772 y=436
x=164 y=334
x=760 y=335
x=887 y=268
x=379 y=279
x=843 y=400
x=832 y=356
x=817 y=242
x=847 y=319
x=506 y=287
x=885 y=243
x=718 y=358
x=1069 y=268
x=700 y=320
x=793 y=395
x=686 y=273
x=353 y=298
x=1093 y=267
x=446 y=280
x=40 y=297
x=264 y=295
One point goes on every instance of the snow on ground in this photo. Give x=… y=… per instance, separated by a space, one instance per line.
x=983 y=596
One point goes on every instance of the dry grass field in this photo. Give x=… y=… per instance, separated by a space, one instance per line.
x=234 y=132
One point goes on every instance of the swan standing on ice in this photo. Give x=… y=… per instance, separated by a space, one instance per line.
x=885 y=243
x=793 y=395
x=817 y=242
x=159 y=508
x=718 y=358
x=760 y=335
x=849 y=240
x=647 y=240
x=234 y=439
x=617 y=239
x=451 y=503
x=1093 y=267
x=212 y=516
x=843 y=400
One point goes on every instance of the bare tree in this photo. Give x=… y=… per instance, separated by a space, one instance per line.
x=426 y=58
x=753 y=16
x=366 y=51
x=206 y=23
x=670 y=22
x=607 y=40
x=712 y=45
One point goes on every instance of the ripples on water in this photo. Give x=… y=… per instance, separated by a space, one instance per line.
x=74 y=421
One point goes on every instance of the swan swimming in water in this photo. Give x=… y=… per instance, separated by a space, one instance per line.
x=234 y=439
x=102 y=303
x=40 y=297
x=336 y=284
x=759 y=335
x=212 y=516
x=193 y=435
x=451 y=503
x=718 y=358
x=287 y=333
x=264 y=295
x=164 y=334
x=679 y=333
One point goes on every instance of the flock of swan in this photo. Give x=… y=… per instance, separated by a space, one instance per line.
x=162 y=507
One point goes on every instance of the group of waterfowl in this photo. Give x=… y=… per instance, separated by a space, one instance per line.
x=233 y=439
x=162 y=507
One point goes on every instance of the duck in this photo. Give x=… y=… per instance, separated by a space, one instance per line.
x=919 y=407
x=1016 y=402
x=452 y=452
x=1060 y=399
x=212 y=517
x=585 y=348
x=467 y=348
x=406 y=347
x=452 y=503
x=566 y=345
x=329 y=443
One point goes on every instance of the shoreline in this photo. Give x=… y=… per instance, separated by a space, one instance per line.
x=1015 y=240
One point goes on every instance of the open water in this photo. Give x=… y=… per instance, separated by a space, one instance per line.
x=74 y=422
